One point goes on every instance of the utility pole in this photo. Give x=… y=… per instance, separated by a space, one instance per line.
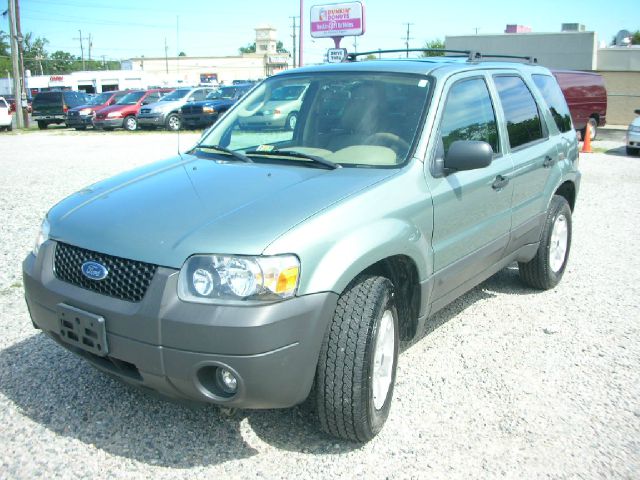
x=295 y=46
x=407 y=38
x=15 y=63
x=166 y=56
x=104 y=62
x=300 y=62
x=81 y=47
x=90 y=45
x=23 y=84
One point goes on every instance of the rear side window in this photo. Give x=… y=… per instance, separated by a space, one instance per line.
x=468 y=115
x=520 y=110
x=552 y=94
x=47 y=98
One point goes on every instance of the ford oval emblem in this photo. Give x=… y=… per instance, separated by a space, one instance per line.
x=94 y=270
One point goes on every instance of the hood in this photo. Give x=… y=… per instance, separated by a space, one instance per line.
x=82 y=107
x=636 y=122
x=168 y=211
x=117 y=108
x=165 y=106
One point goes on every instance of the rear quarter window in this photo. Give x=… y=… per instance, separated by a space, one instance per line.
x=555 y=100
x=520 y=110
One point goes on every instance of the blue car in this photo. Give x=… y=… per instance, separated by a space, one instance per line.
x=204 y=113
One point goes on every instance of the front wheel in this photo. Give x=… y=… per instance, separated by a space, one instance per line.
x=42 y=125
x=545 y=270
x=130 y=123
x=357 y=365
x=173 y=122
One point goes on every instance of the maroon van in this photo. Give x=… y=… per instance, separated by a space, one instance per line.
x=586 y=96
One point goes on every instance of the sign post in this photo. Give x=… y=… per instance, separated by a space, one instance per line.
x=337 y=20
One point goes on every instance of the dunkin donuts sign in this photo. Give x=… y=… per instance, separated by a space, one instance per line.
x=337 y=20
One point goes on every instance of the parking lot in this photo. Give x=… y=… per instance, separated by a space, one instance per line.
x=510 y=382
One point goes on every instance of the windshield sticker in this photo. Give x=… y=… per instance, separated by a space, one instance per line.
x=264 y=148
x=422 y=83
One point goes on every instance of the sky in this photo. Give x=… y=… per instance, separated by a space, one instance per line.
x=123 y=29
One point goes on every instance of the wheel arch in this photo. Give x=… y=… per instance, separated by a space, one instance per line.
x=568 y=191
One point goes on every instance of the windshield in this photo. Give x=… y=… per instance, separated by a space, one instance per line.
x=175 y=95
x=348 y=118
x=100 y=99
x=223 y=93
x=130 y=98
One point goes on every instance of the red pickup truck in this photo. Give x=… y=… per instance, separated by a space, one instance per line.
x=586 y=96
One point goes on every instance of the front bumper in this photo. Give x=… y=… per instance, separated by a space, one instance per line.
x=79 y=121
x=633 y=139
x=201 y=120
x=173 y=347
x=149 y=120
x=108 y=122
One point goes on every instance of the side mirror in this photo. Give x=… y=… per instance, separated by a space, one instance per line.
x=468 y=155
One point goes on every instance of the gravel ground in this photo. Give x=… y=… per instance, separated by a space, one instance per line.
x=510 y=382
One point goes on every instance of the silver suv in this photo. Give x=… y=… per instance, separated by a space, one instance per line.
x=166 y=112
x=262 y=268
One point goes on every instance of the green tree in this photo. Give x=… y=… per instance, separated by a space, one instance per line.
x=5 y=48
x=63 y=62
x=34 y=53
x=251 y=48
x=182 y=54
x=635 y=38
x=437 y=43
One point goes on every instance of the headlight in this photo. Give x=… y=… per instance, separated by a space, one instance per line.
x=114 y=114
x=210 y=278
x=42 y=237
x=85 y=111
x=634 y=128
x=207 y=109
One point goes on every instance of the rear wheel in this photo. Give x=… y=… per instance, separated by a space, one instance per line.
x=130 y=123
x=173 y=122
x=42 y=125
x=292 y=119
x=545 y=270
x=357 y=365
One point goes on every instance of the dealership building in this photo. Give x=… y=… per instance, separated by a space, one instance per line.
x=573 y=48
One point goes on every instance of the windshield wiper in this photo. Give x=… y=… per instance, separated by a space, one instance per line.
x=292 y=153
x=233 y=153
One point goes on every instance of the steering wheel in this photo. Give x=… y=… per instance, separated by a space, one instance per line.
x=391 y=140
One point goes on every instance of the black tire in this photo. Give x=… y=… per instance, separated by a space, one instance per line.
x=292 y=119
x=632 y=151
x=130 y=123
x=107 y=129
x=344 y=391
x=9 y=127
x=173 y=122
x=538 y=273
x=42 y=125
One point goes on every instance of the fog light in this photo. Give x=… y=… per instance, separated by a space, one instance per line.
x=227 y=380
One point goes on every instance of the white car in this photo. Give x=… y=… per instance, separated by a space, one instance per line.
x=633 y=135
x=5 y=116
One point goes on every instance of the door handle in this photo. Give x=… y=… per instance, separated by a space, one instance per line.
x=500 y=182
x=548 y=162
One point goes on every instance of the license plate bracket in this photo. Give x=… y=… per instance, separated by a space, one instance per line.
x=82 y=329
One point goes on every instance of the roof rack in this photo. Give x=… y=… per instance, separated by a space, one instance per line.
x=529 y=59
x=471 y=55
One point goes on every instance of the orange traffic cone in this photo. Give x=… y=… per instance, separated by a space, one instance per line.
x=586 y=146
